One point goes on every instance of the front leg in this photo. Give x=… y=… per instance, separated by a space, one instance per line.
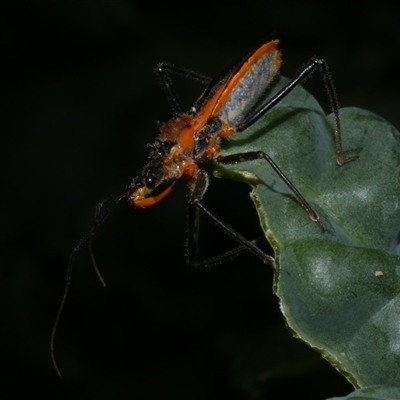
x=195 y=206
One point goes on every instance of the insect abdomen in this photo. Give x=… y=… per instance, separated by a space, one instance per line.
x=248 y=84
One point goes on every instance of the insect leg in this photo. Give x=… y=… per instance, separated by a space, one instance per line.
x=164 y=71
x=244 y=244
x=198 y=188
x=192 y=243
x=255 y=155
x=314 y=64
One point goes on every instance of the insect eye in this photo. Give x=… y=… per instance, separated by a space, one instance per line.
x=153 y=175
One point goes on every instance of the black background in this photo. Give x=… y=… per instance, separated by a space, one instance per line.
x=79 y=103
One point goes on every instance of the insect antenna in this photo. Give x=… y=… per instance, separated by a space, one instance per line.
x=100 y=215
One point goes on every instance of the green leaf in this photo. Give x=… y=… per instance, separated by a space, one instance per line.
x=373 y=393
x=338 y=289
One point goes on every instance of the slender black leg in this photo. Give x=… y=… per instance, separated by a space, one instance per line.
x=193 y=237
x=193 y=227
x=164 y=71
x=244 y=244
x=314 y=64
x=255 y=155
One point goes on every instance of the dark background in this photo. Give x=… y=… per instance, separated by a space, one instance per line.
x=79 y=103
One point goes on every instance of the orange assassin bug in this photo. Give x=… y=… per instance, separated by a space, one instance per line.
x=191 y=140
